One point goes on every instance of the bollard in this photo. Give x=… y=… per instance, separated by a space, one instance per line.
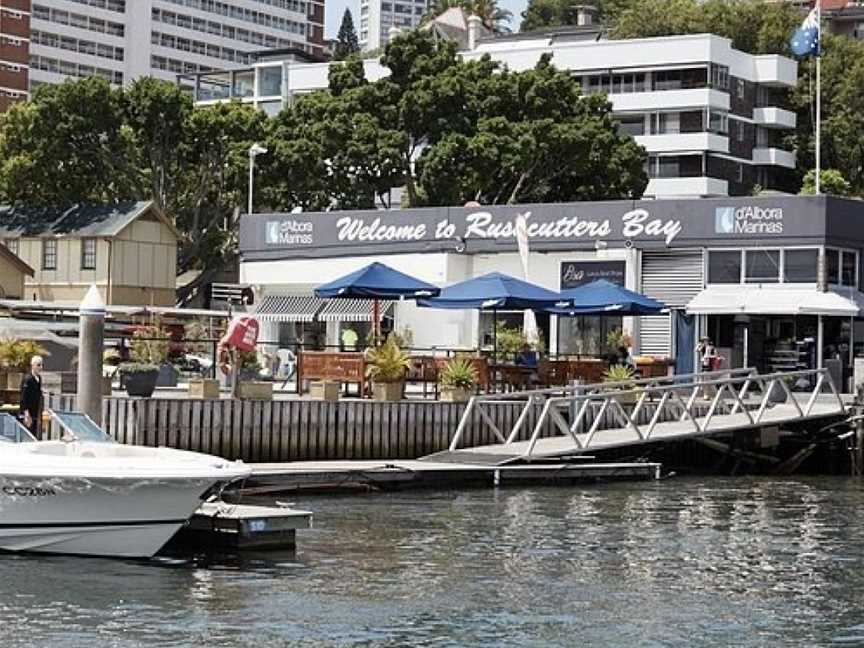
x=91 y=339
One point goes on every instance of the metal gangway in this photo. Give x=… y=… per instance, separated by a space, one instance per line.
x=579 y=419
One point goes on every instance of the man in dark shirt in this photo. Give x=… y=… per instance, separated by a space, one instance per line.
x=31 y=397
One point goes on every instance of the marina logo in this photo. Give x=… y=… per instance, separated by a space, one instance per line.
x=748 y=220
x=289 y=232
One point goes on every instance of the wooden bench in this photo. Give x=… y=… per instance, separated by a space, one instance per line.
x=345 y=368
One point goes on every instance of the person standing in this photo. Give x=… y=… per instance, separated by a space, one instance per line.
x=31 y=397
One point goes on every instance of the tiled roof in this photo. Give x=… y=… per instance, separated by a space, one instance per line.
x=78 y=220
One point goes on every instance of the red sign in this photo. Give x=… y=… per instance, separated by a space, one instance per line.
x=242 y=334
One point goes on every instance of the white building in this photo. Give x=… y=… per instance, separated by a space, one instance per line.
x=122 y=40
x=711 y=117
x=378 y=16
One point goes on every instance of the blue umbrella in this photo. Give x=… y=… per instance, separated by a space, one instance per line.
x=493 y=291
x=603 y=297
x=376 y=281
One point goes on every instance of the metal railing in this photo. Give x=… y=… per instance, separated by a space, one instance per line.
x=730 y=392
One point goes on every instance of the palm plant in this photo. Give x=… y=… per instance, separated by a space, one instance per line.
x=387 y=363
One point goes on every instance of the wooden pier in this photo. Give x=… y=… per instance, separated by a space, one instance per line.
x=327 y=476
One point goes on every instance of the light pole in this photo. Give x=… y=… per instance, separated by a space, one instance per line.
x=254 y=151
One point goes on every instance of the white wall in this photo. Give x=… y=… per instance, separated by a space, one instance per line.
x=432 y=327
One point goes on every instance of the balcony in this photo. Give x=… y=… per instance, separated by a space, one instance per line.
x=673 y=142
x=694 y=187
x=774 y=156
x=669 y=99
x=771 y=117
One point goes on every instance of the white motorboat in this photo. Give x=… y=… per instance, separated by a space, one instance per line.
x=88 y=495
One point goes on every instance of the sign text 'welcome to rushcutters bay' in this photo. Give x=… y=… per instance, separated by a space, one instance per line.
x=482 y=225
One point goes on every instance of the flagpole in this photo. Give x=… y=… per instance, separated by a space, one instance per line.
x=819 y=97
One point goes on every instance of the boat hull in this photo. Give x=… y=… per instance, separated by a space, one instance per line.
x=131 y=518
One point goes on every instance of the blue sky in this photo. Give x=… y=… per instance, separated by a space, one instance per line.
x=335 y=8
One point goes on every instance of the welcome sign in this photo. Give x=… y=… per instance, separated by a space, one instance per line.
x=569 y=226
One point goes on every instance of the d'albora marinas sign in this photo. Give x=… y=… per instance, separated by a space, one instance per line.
x=569 y=226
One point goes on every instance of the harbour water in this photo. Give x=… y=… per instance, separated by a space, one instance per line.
x=682 y=562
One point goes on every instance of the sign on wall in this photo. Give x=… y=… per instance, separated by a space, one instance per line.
x=579 y=273
x=657 y=224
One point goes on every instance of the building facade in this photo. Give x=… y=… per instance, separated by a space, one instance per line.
x=377 y=17
x=775 y=281
x=14 y=51
x=13 y=272
x=120 y=40
x=712 y=118
x=128 y=250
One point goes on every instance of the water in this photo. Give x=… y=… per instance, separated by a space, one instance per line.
x=684 y=562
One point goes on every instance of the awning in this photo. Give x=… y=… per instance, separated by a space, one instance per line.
x=352 y=310
x=775 y=300
x=288 y=308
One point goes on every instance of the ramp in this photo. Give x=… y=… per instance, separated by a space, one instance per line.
x=571 y=420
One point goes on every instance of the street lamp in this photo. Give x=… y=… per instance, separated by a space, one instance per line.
x=254 y=151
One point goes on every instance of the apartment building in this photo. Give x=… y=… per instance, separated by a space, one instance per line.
x=377 y=17
x=14 y=51
x=47 y=41
x=712 y=118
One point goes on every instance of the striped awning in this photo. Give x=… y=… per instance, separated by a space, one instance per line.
x=288 y=308
x=352 y=310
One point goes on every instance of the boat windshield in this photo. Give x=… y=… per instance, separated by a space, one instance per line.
x=11 y=431
x=81 y=427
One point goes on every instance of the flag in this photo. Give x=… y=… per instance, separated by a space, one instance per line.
x=529 y=322
x=805 y=40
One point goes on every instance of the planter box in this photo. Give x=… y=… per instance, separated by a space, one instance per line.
x=11 y=380
x=388 y=391
x=167 y=376
x=69 y=383
x=204 y=388
x=256 y=390
x=324 y=390
x=455 y=394
x=140 y=383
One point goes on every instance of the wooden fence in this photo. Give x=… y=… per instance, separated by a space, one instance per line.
x=292 y=430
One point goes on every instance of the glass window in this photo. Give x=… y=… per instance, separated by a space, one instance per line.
x=632 y=124
x=88 y=254
x=49 y=254
x=270 y=81
x=762 y=266
x=832 y=266
x=12 y=245
x=724 y=267
x=847 y=268
x=800 y=266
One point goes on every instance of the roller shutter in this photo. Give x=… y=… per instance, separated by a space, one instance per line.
x=674 y=278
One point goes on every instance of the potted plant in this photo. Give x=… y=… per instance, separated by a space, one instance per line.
x=15 y=356
x=458 y=378
x=149 y=352
x=388 y=365
x=624 y=375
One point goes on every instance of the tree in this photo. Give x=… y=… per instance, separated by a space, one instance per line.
x=558 y=13
x=540 y=140
x=752 y=26
x=347 y=38
x=831 y=181
x=842 y=111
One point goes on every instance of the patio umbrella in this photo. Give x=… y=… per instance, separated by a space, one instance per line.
x=376 y=281
x=492 y=292
x=603 y=297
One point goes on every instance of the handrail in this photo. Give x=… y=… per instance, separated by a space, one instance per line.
x=731 y=389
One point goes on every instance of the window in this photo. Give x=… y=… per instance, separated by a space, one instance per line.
x=49 y=254
x=762 y=266
x=800 y=266
x=88 y=254
x=632 y=124
x=12 y=245
x=740 y=88
x=719 y=123
x=847 y=268
x=724 y=267
x=832 y=266
x=719 y=77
